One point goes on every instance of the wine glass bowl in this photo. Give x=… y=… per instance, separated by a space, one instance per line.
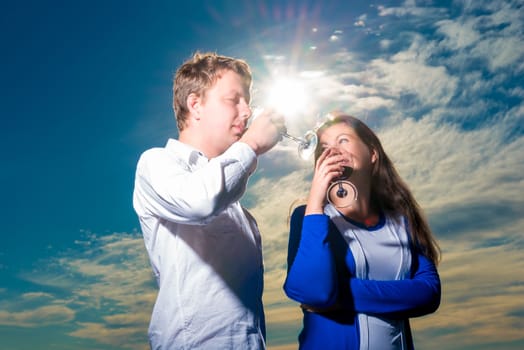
x=342 y=194
x=306 y=145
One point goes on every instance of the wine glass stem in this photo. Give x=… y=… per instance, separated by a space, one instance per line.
x=296 y=139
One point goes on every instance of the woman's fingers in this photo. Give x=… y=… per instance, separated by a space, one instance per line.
x=329 y=164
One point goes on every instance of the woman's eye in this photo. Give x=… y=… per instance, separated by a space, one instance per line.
x=343 y=140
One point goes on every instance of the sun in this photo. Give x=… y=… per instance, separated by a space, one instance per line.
x=287 y=95
x=292 y=93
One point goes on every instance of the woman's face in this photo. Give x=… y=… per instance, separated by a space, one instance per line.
x=343 y=139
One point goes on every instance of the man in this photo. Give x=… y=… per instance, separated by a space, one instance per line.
x=204 y=248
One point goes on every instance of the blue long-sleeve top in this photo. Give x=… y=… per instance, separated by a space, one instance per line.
x=321 y=276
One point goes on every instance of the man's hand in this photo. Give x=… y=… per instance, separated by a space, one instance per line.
x=264 y=132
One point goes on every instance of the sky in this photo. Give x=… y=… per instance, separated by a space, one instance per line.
x=86 y=88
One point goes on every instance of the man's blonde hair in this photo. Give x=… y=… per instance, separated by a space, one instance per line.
x=198 y=74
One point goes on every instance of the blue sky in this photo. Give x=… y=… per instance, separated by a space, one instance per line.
x=86 y=87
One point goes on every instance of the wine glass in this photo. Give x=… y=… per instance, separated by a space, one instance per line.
x=306 y=144
x=342 y=192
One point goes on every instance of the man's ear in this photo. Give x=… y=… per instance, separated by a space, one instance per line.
x=194 y=102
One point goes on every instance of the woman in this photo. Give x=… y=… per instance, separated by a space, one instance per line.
x=360 y=271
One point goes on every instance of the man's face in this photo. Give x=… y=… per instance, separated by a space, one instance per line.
x=225 y=111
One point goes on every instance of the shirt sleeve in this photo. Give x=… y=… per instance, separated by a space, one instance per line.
x=413 y=297
x=166 y=187
x=311 y=277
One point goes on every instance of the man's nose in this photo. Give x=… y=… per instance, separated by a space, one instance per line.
x=245 y=110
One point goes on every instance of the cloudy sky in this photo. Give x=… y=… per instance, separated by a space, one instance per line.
x=86 y=87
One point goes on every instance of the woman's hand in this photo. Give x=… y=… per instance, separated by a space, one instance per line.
x=329 y=166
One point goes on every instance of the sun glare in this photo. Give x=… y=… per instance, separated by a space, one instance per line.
x=287 y=95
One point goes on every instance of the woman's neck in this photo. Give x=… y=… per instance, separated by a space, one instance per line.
x=363 y=212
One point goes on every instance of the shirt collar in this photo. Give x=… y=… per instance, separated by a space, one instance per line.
x=189 y=154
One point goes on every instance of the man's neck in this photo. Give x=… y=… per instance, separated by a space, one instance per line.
x=199 y=142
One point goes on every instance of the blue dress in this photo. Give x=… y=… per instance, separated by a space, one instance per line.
x=323 y=275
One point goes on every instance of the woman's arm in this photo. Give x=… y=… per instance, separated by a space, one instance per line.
x=413 y=297
x=311 y=277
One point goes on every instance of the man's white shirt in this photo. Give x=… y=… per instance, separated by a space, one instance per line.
x=204 y=248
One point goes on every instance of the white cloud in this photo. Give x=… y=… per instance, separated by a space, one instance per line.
x=482 y=297
x=106 y=275
x=410 y=8
x=385 y=44
x=407 y=73
x=37 y=316
x=447 y=166
x=501 y=54
x=495 y=36
x=459 y=35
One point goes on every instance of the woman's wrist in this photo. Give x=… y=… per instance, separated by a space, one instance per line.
x=314 y=207
x=315 y=202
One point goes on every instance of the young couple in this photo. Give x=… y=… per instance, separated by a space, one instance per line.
x=359 y=272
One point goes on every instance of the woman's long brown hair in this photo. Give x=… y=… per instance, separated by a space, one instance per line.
x=388 y=191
